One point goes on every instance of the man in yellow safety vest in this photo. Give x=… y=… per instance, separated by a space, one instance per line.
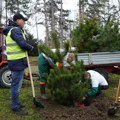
x=16 y=47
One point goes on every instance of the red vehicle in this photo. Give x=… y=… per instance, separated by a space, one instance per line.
x=5 y=74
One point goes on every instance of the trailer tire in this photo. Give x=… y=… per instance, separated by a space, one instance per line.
x=5 y=77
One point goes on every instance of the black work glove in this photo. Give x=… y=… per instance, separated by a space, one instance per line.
x=86 y=101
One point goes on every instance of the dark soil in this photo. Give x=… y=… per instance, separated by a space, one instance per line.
x=97 y=110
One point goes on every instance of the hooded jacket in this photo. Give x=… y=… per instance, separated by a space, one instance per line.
x=16 y=35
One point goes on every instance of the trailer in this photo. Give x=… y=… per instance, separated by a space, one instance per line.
x=110 y=61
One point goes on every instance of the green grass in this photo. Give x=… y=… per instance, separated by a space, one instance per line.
x=33 y=58
x=113 y=84
x=32 y=61
x=26 y=98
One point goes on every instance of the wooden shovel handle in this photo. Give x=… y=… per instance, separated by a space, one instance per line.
x=118 y=92
x=31 y=78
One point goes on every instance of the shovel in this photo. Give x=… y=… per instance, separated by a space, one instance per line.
x=36 y=103
x=113 y=110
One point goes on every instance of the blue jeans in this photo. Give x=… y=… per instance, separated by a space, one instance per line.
x=17 y=80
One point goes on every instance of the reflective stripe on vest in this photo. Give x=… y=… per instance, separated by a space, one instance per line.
x=13 y=50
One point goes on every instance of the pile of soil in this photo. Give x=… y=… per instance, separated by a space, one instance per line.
x=97 y=110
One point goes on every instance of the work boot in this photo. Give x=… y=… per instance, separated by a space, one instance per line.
x=43 y=96
x=42 y=92
x=20 y=112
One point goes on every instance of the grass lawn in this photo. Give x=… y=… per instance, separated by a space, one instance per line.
x=26 y=98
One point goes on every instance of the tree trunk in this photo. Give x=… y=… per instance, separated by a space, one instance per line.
x=1 y=11
x=53 y=19
x=81 y=10
x=61 y=24
x=46 y=25
x=119 y=4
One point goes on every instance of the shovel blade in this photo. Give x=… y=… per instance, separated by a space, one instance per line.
x=112 y=111
x=37 y=104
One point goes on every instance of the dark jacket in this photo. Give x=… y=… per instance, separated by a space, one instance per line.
x=16 y=34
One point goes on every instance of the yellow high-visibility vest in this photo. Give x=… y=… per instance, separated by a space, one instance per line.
x=13 y=50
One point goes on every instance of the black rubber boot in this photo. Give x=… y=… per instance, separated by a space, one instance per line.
x=42 y=92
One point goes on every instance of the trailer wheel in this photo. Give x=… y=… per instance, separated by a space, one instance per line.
x=5 y=77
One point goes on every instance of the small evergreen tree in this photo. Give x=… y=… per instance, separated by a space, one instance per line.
x=58 y=55
x=82 y=35
x=64 y=83
x=109 y=37
x=90 y=36
x=65 y=87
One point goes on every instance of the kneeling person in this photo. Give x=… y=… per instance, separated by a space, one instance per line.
x=97 y=82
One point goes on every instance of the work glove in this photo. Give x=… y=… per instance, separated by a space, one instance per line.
x=86 y=101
